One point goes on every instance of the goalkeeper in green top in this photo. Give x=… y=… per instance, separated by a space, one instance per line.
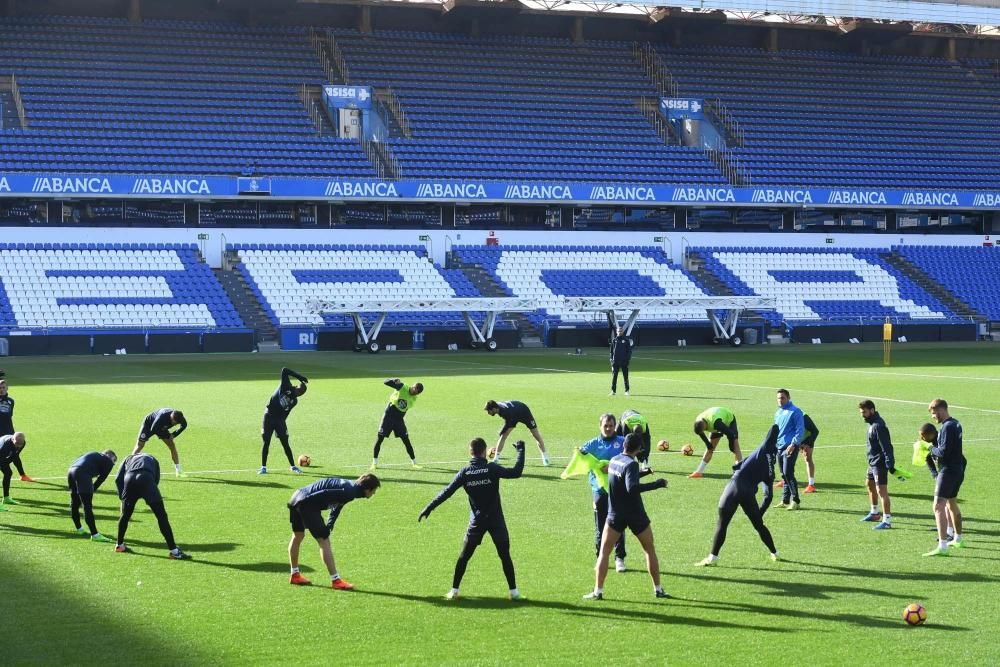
x=718 y=422
x=630 y=419
x=392 y=421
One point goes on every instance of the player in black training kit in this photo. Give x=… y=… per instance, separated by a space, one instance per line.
x=393 y=418
x=951 y=462
x=10 y=451
x=158 y=423
x=625 y=510
x=751 y=472
x=284 y=398
x=82 y=487
x=481 y=481
x=305 y=510
x=7 y=424
x=139 y=479
x=514 y=413
x=881 y=462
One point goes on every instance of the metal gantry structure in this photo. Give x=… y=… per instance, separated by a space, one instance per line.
x=479 y=334
x=724 y=327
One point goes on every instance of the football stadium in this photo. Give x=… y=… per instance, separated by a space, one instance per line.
x=270 y=271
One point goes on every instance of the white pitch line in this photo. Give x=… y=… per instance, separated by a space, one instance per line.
x=733 y=384
x=806 y=368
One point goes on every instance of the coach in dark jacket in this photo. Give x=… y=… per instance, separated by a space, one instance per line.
x=621 y=354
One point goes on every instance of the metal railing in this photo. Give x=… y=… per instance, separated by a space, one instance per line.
x=388 y=97
x=309 y=95
x=385 y=162
x=655 y=68
x=729 y=122
x=10 y=84
x=729 y=165
x=650 y=107
x=316 y=41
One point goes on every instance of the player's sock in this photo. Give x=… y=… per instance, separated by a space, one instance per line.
x=374 y=463
x=598 y=591
x=942 y=544
x=956 y=537
x=701 y=467
x=887 y=517
x=658 y=590
x=295 y=570
x=177 y=469
x=874 y=509
x=334 y=577
x=812 y=481
x=949 y=531
x=514 y=594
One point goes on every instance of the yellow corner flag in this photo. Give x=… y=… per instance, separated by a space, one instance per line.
x=582 y=463
x=921 y=450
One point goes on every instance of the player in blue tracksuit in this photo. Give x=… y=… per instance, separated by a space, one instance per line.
x=741 y=491
x=626 y=510
x=481 y=481
x=10 y=451
x=881 y=462
x=82 y=487
x=305 y=510
x=950 y=461
x=791 y=432
x=605 y=447
x=139 y=479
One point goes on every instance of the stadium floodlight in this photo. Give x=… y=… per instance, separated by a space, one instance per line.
x=725 y=328
x=480 y=334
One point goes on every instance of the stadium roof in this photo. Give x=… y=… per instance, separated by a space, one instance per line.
x=968 y=16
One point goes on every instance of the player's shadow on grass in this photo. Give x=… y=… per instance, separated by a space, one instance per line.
x=274 y=568
x=193 y=547
x=783 y=588
x=928 y=517
x=253 y=483
x=860 y=488
x=931 y=575
x=605 y=609
x=41 y=532
x=859 y=620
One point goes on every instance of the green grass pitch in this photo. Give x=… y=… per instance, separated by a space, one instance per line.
x=836 y=599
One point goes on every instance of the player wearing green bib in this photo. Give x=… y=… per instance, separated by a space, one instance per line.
x=718 y=422
x=400 y=402
x=630 y=419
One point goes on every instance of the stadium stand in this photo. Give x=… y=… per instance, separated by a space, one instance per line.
x=110 y=287
x=815 y=118
x=548 y=273
x=520 y=108
x=972 y=274
x=821 y=286
x=166 y=97
x=285 y=278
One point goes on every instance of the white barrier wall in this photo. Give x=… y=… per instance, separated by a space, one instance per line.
x=673 y=243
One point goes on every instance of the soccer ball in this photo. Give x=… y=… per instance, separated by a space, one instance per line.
x=687 y=450
x=915 y=614
x=304 y=460
x=663 y=446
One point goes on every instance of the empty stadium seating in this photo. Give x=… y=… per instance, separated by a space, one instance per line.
x=517 y=108
x=815 y=118
x=549 y=273
x=286 y=277
x=107 y=95
x=110 y=286
x=972 y=274
x=821 y=286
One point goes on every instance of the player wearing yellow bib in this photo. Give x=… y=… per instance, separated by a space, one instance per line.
x=400 y=402
x=718 y=422
x=630 y=419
